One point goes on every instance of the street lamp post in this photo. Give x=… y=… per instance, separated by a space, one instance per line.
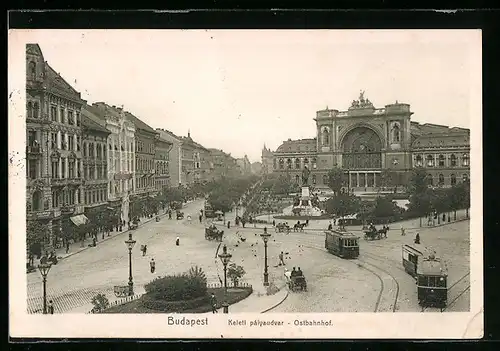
x=265 y=236
x=44 y=271
x=130 y=244
x=225 y=258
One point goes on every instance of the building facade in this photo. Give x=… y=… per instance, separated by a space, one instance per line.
x=267 y=160
x=245 y=165
x=368 y=143
x=121 y=158
x=95 y=165
x=223 y=164
x=196 y=162
x=53 y=153
x=175 y=156
x=162 y=158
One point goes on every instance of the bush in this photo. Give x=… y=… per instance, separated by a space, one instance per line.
x=153 y=303
x=177 y=287
x=100 y=302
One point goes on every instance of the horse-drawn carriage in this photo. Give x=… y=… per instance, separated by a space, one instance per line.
x=212 y=233
x=373 y=234
x=297 y=282
x=180 y=215
x=282 y=227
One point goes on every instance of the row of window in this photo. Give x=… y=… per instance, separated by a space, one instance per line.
x=65 y=168
x=161 y=167
x=119 y=186
x=160 y=184
x=69 y=117
x=95 y=172
x=140 y=147
x=90 y=149
x=441 y=179
x=95 y=196
x=144 y=182
x=144 y=165
x=289 y=163
x=65 y=141
x=453 y=161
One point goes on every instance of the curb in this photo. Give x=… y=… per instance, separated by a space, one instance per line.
x=279 y=303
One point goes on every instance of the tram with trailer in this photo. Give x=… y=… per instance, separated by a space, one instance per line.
x=342 y=243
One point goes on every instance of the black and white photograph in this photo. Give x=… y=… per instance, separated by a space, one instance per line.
x=318 y=181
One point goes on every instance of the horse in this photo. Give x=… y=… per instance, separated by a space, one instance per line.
x=383 y=231
x=298 y=227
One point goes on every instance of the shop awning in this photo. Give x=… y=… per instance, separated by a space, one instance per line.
x=79 y=220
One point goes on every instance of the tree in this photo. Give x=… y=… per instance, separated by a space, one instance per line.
x=418 y=181
x=387 y=178
x=235 y=273
x=36 y=233
x=384 y=207
x=335 y=179
x=100 y=302
x=343 y=204
x=420 y=194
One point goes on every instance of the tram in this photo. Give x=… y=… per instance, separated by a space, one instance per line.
x=410 y=257
x=342 y=243
x=432 y=276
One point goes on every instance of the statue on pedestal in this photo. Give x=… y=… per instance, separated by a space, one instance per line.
x=305 y=175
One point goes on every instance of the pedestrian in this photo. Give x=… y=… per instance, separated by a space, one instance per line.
x=50 y=307
x=144 y=250
x=177 y=241
x=417 y=239
x=274 y=223
x=67 y=246
x=293 y=273
x=152 y=265
x=282 y=262
x=200 y=217
x=213 y=302
x=403 y=231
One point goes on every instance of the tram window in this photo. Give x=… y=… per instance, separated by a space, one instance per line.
x=422 y=281
x=441 y=282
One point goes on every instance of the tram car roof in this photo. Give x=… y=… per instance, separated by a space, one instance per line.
x=344 y=234
x=432 y=266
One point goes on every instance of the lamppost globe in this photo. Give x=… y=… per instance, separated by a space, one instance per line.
x=265 y=235
x=44 y=269
x=130 y=242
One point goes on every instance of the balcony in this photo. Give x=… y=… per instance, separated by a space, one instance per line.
x=33 y=150
x=66 y=181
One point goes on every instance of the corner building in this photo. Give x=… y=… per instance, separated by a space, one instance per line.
x=368 y=143
x=54 y=193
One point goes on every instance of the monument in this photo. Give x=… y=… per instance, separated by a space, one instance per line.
x=305 y=206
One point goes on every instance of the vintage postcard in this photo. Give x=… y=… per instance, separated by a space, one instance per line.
x=271 y=184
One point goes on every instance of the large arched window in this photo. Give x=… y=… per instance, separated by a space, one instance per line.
x=325 y=179
x=29 y=108
x=37 y=201
x=326 y=136
x=297 y=163
x=453 y=160
x=465 y=160
x=289 y=163
x=453 y=179
x=441 y=160
x=430 y=160
x=430 y=181
x=419 y=161
x=297 y=179
x=441 y=179
x=32 y=69
x=282 y=163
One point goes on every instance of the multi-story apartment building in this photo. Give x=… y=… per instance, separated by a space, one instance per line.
x=53 y=154
x=245 y=165
x=145 y=139
x=195 y=159
x=224 y=165
x=121 y=157
x=162 y=159
x=95 y=165
x=175 y=156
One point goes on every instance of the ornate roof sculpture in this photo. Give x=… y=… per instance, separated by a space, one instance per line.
x=361 y=102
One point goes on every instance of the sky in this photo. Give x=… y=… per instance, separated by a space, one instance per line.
x=239 y=90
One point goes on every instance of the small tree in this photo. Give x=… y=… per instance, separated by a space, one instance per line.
x=235 y=273
x=384 y=207
x=100 y=302
x=36 y=233
x=197 y=273
x=335 y=179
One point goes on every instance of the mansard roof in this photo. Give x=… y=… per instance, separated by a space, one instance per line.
x=58 y=85
x=139 y=124
x=300 y=145
x=93 y=119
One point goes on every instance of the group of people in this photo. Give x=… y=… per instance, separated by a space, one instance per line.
x=294 y=273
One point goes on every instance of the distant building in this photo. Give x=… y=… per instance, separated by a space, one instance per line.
x=369 y=143
x=224 y=165
x=256 y=168
x=195 y=161
x=245 y=165
x=174 y=164
x=267 y=160
x=95 y=164
x=54 y=184
x=162 y=159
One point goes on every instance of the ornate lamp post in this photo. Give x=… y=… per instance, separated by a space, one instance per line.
x=44 y=271
x=225 y=258
x=130 y=244
x=265 y=236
